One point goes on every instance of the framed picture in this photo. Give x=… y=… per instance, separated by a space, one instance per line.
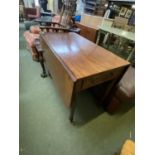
x=123 y=11
x=128 y=13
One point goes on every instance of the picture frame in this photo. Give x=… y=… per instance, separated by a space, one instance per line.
x=128 y=13
x=123 y=11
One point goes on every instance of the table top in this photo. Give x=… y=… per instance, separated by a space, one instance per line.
x=119 y=32
x=81 y=57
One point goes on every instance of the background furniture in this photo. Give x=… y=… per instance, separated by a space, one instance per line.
x=76 y=64
x=44 y=20
x=32 y=13
x=121 y=8
x=117 y=40
x=95 y=7
x=29 y=23
x=34 y=34
x=30 y=38
x=91 y=20
x=89 y=26
x=87 y=32
x=123 y=93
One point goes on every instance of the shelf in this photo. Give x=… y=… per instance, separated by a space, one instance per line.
x=90 y=2
x=95 y=7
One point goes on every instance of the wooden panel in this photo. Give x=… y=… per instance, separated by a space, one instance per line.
x=59 y=74
x=87 y=32
x=91 y=21
x=100 y=78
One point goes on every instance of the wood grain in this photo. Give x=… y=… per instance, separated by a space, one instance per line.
x=76 y=63
x=63 y=81
x=82 y=57
x=87 y=32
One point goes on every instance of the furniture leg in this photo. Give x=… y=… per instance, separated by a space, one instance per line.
x=110 y=89
x=131 y=54
x=72 y=111
x=43 y=74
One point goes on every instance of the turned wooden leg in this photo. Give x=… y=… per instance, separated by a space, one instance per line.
x=43 y=74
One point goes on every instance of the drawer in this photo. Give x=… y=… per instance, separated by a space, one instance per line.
x=100 y=78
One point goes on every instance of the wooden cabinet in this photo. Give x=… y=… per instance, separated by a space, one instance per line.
x=87 y=32
x=89 y=26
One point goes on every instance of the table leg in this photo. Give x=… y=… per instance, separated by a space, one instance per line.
x=43 y=74
x=72 y=111
x=111 y=87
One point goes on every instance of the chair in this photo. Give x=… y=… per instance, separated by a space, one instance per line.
x=34 y=33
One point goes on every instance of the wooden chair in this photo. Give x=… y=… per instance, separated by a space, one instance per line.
x=38 y=45
x=30 y=37
x=67 y=25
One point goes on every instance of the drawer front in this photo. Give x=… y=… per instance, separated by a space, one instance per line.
x=100 y=78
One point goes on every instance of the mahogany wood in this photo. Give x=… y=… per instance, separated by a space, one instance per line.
x=88 y=32
x=76 y=63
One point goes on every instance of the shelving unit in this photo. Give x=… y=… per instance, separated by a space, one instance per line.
x=95 y=7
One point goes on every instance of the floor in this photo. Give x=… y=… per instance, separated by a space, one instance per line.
x=44 y=125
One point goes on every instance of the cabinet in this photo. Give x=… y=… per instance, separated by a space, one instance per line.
x=118 y=41
x=95 y=7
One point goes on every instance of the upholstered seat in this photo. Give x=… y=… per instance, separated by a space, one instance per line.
x=32 y=13
x=33 y=34
x=124 y=91
x=35 y=29
x=128 y=148
x=30 y=37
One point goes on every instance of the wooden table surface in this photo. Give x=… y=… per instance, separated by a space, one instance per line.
x=82 y=57
x=76 y=63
